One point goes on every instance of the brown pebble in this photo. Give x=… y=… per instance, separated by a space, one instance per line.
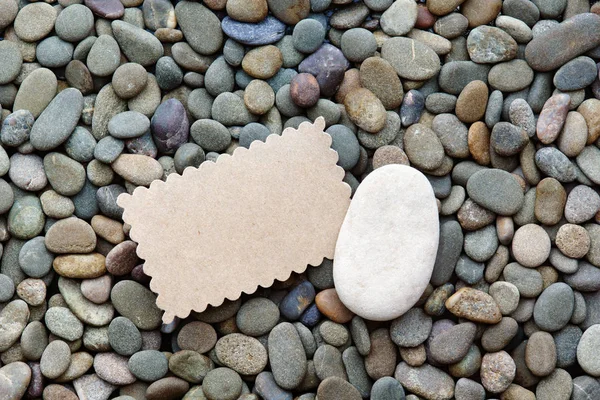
x=80 y=266
x=334 y=388
x=497 y=371
x=590 y=109
x=474 y=305
x=122 y=258
x=443 y=7
x=108 y=229
x=479 y=142
x=573 y=240
x=259 y=97
x=365 y=110
x=330 y=305
x=378 y=75
x=168 y=35
x=550 y=199
x=516 y=392
x=129 y=80
x=381 y=360
x=350 y=82
x=247 y=10
x=32 y=291
x=480 y=12
x=540 y=353
x=425 y=19
x=505 y=229
x=197 y=336
x=79 y=77
x=389 y=154
x=552 y=117
x=304 y=90
x=472 y=102
x=58 y=392
x=169 y=388
x=413 y=356
x=70 y=235
x=549 y=275
x=262 y=62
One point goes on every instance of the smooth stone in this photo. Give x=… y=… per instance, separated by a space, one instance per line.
x=423 y=147
x=582 y=204
x=472 y=101
x=540 y=353
x=63 y=323
x=55 y=359
x=412 y=107
x=511 y=76
x=143 y=312
x=14 y=380
x=560 y=44
x=113 y=369
x=286 y=356
x=554 y=307
x=552 y=117
x=488 y=44
x=496 y=190
x=328 y=65
x=54 y=52
x=25 y=218
x=170 y=126
x=566 y=341
x=80 y=266
x=148 y=365
x=399 y=18
x=267 y=31
x=455 y=75
x=448 y=252
x=128 y=124
x=497 y=371
x=137 y=168
x=200 y=26
x=588 y=161
x=426 y=381
x=452 y=345
x=348 y=248
x=57 y=121
x=104 y=56
x=410 y=58
x=387 y=388
x=27 y=172
x=13 y=319
x=138 y=45
x=332 y=387
x=124 y=337
x=585 y=387
x=222 y=384
x=70 y=235
x=189 y=365
x=576 y=74
x=106 y=106
x=244 y=354
x=474 y=305
x=11 y=62
x=91 y=386
x=36 y=91
x=84 y=310
x=230 y=110
x=555 y=164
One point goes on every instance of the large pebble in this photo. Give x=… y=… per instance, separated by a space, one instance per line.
x=13 y=319
x=200 y=27
x=243 y=354
x=488 y=44
x=143 y=312
x=286 y=356
x=138 y=169
x=138 y=45
x=496 y=190
x=422 y=239
x=554 y=307
x=58 y=120
x=14 y=380
x=267 y=31
x=426 y=380
x=411 y=59
x=564 y=42
x=85 y=310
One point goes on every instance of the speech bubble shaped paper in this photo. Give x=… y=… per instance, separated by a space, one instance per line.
x=241 y=222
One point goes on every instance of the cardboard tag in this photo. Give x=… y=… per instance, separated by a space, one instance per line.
x=241 y=222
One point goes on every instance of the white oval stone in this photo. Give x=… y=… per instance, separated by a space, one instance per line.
x=387 y=245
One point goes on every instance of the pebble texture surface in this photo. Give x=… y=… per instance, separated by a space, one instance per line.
x=496 y=103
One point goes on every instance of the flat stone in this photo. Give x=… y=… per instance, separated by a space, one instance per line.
x=267 y=31
x=562 y=43
x=138 y=45
x=13 y=319
x=452 y=345
x=55 y=359
x=286 y=356
x=71 y=235
x=552 y=117
x=555 y=164
x=488 y=44
x=57 y=121
x=63 y=323
x=554 y=307
x=411 y=59
x=137 y=168
x=426 y=381
x=423 y=147
x=113 y=369
x=244 y=354
x=143 y=312
x=34 y=22
x=474 y=305
x=85 y=310
x=332 y=387
x=80 y=266
x=200 y=26
x=399 y=18
x=347 y=267
x=455 y=75
x=148 y=365
x=14 y=380
x=496 y=190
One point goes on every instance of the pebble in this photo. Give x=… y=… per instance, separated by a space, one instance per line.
x=554 y=307
x=344 y=280
x=344 y=142
x=197 y=336
x=422 y=66
x=16 y=377
x=286 y=356
x=57 y=121
x=365 y=110
x=474 y=305
x=14 y=317
x=531 y=245
x=222 y=384
x=540 y=353
x=496 y=190
x=27 y=172
x=497 y=371
x=63 y=323
x=488 y=44
x=55 y=359
x=25 y=219
x=556 y=164
x=332 y=387
x=80 y=266
x=399 y=18
x=426 y=381
x=269 y=30
x=304 y=90
x=148 y=365
x=511 y=76
x=143 y=313
x=557 y=42
x=113 y=369
x=189 y=365
x=581 y=205
x=243 y=354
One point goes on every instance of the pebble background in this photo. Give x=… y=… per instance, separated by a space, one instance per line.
x=497 y=102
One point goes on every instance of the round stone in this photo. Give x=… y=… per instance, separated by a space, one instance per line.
x=496 y=190
x=55 y=359
x=531 y=245
x=259 y=97
x=358 y=44
x=11 y=61
x=128 y=124
x=425 y=381
x=554 y=163
x=582 y=204
x=124 y=337
x=257 y=316
x=143 y=312
x=378 y=76
x=334 y=388
x=588 y=344
x=148 y=365
x=423 y=147
x=35 y=21
x=508 y=139
x=576 y=74
x=365 y=110
x=345 y=143
x=63 y=323
x=70 y=235
x=472 y=102
x=243 y=354
x=399 y=18
x=189 y=365
x=304 y=90
x=27 y=172
x=487 y=44
x=129 y=80
x=262 y=62
x=308 y=35
x=573 y=240
x=138 y=169
x=112 y=368
x=210 y=135
x=197 y=336
x=247 y=11
x=74 y=23
x=540 y=353
x=511 y=76
x=554 y=307
x=411 y=59
x=497 y=371
x=222 y=384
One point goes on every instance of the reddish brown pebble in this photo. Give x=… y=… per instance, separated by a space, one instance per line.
x=304 y=90
x=553 y=117
x=351 y=81
x=472 y=102
x=330 y=305
x=167 y=388
x=474 y=305
x=425 y=19
x=122 y=258
x=479 y=142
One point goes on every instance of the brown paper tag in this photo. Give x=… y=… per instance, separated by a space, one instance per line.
x=241 y=222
